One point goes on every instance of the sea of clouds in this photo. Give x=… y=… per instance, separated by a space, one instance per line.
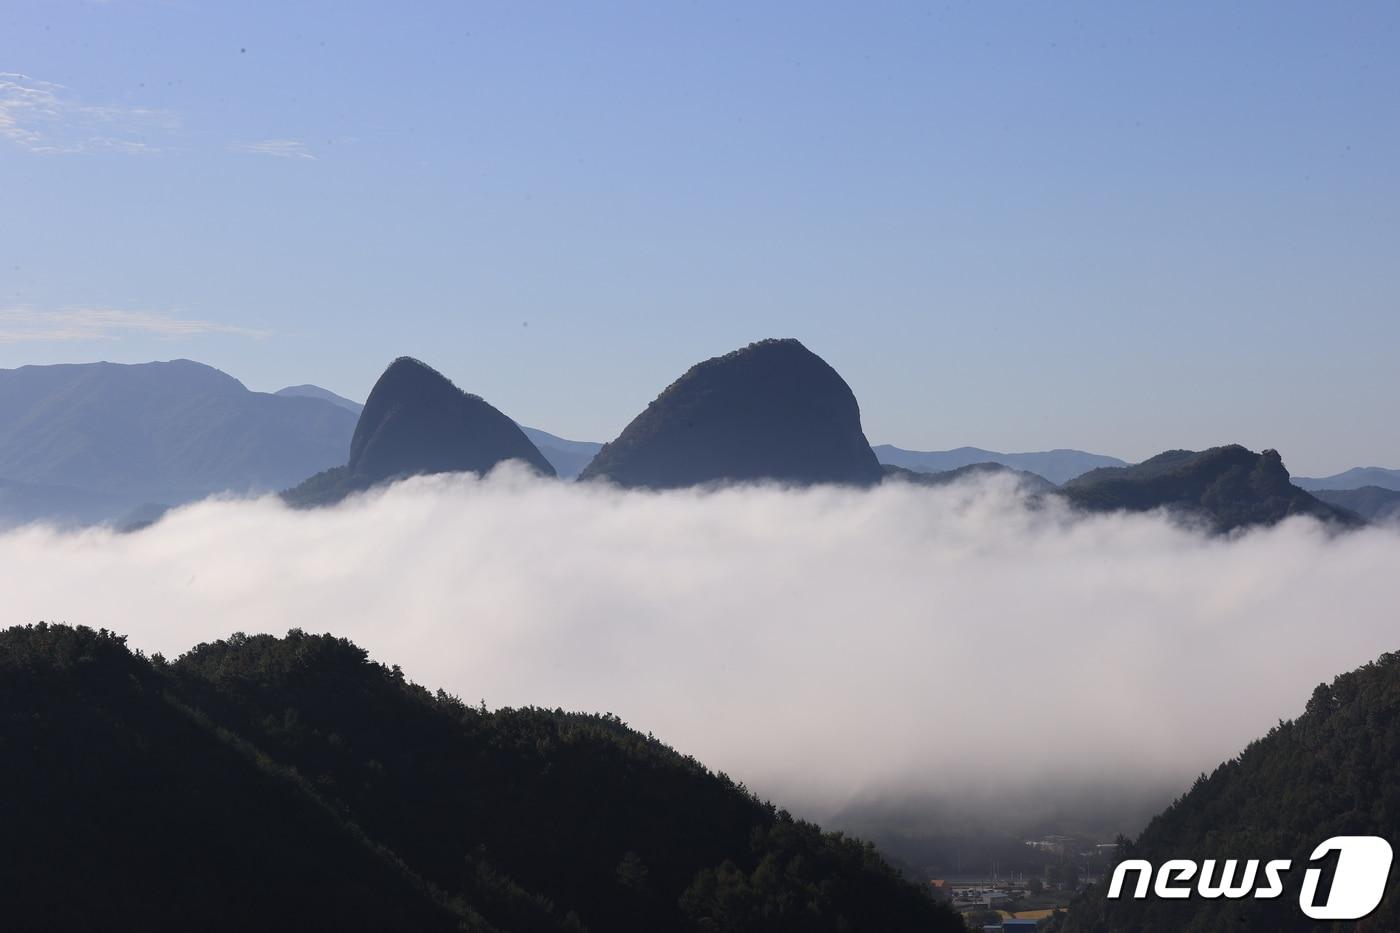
x=822 y=645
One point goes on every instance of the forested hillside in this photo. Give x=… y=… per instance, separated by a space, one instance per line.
x=1335 y=770
x=292 y=783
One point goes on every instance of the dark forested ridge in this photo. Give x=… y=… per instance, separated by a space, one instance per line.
x=414 y=422
x=292 y=783
x=1225 y=487
x=773 y=410
x=1333 y=771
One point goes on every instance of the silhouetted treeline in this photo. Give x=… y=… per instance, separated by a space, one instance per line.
x=280 y=783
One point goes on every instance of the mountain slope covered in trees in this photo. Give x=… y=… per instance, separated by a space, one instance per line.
x=292 y=783
x=1333 y=771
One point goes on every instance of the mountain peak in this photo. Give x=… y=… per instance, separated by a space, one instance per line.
x=416 y=421
x=1229 y=487
x=772 y=410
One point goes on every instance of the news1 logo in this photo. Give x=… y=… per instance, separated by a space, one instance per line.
x=1360 y=871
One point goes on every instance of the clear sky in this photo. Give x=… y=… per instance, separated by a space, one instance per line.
x=1121 y=227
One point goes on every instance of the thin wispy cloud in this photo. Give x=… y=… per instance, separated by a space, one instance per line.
x=49 y=119
x=25 y=325
x=279 y=148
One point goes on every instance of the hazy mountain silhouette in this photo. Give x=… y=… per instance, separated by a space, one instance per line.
x=1058 y=466
x=770 y=411
x=1227 y=487
x=567 y=457
x=1335 y=770
x=265 y=783
x=1373 y=503
x=1353 y=479
x=326 y=395
x=1031 y=482
x=64 y=506
x=415 y=422
x=156 y=432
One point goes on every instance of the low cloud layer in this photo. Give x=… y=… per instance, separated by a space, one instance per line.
x=822 y=645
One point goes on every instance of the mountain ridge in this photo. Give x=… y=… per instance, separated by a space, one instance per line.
x=1228 y=488
x=1355 y=478
x=1373 y=503
x=1058 y=466
x=265 y=782
x=307 y=390
x=166 y=432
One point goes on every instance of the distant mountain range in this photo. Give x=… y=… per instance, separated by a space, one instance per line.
x=1372 y=503
x=1353 y=479
x=1058 y=466
x=85 y=443
x=1032 y=483
x=90 y=441
x=567 y=457
x=65 y=506
x=325 y=395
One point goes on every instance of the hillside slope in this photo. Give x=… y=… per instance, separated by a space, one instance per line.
x=1335 y=770
x=291 y=783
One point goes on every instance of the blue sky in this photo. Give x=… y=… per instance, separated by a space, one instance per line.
x=1120 y=227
